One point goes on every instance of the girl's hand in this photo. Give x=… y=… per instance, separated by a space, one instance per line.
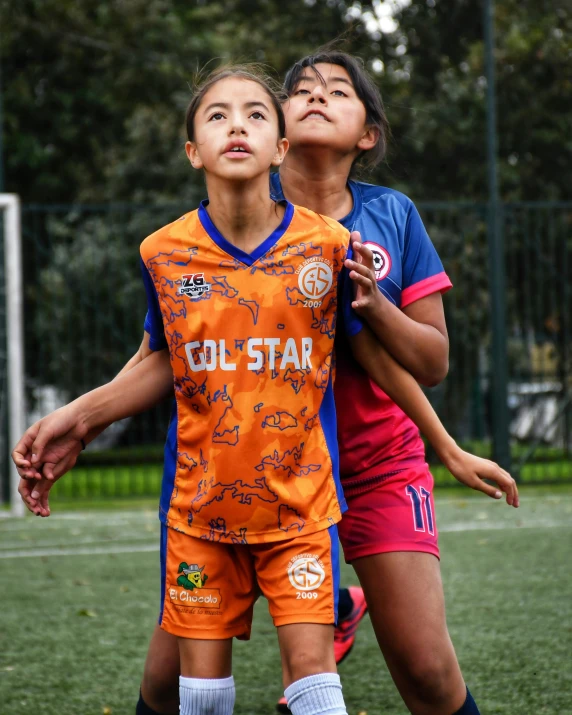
x=34 y=494
x=35 y=491
x=471 y=470
x=48 y=442
x=362 y=273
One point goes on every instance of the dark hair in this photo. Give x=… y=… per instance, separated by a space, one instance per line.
x=250 y=72
x=365 y=88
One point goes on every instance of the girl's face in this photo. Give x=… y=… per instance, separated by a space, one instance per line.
x=236 y=131
x=328 y=113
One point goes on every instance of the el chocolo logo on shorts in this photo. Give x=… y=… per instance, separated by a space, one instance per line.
x=306 y=572
x=315 y=278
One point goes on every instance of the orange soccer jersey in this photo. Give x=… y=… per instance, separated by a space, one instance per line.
x=251 y=453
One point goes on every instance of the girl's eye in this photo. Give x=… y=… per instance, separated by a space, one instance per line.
x=301 y=91
x=257 y=115
x=216 y=116
x=339 y=93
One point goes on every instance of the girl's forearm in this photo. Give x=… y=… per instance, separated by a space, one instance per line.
x=142 y=353
x=420 y=348
x=137 y=390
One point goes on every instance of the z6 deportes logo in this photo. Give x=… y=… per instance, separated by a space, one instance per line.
x=193 y=284
x=306 y=573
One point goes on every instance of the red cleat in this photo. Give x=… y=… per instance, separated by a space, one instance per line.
x=282 y=706
x=345 y=632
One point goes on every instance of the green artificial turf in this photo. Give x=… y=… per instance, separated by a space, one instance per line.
x=80 y=597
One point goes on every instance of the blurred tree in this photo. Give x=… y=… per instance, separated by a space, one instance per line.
x=94 y=92
x=434 y=87
x=80 y=81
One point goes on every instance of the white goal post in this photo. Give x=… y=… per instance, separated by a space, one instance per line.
x=13 y=288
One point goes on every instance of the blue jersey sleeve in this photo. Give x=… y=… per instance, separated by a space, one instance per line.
x=423 y=272
x=350 y=320
x=153 y=320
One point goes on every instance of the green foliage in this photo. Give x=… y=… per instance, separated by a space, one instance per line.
x=94 y=92
x=439 y=87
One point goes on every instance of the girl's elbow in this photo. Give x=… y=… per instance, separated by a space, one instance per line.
x=436 y=374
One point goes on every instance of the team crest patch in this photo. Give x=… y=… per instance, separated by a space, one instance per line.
x=194 y=284
x=381 y=260
x=306 y=572
x=315 y=278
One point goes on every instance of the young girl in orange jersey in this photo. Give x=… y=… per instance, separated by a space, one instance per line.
x=251 y=492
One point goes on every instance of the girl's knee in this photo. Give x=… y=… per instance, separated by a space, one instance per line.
x=432 y=677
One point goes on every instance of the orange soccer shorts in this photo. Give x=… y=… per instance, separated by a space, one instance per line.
x=208 y=588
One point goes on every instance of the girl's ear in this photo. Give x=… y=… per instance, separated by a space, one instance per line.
x=281 y=149
x=193 y=155
x=368 y=139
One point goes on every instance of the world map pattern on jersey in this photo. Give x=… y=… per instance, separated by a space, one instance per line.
x=250 y=341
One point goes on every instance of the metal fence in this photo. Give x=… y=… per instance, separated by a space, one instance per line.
x=85 y=305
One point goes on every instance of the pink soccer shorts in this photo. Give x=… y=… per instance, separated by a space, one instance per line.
x=395 y=513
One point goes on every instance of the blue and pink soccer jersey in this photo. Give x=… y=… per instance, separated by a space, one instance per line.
x=387 y=483
x=375 y=436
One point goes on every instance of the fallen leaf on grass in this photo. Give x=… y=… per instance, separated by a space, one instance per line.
x=7 y=669
x=87 y=612
x=81 y=582
x=107 y=711
x=124 y=589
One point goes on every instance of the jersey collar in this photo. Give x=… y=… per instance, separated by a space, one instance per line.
x=247 y=258
x=347 y=221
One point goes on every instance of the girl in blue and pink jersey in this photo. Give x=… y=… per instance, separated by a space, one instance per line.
x=334 y=118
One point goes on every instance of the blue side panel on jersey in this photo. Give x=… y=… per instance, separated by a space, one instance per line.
x=247 y=258
x=351 y=322
x=329 y=425
x=164 y=537
x=154 y=318
x=169 y=465
x=148 y=324
x=333 y=532
x=276 y=193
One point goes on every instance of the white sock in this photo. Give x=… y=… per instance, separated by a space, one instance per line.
x=201 y=696
x=316 y=695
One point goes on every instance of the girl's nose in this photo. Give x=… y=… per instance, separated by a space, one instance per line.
x=318 y=95
x=237 y=124
x=237 y=128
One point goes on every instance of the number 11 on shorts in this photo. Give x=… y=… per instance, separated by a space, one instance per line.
x=420 y=499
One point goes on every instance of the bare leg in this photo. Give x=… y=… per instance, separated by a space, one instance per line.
x=404 y=594
x=160 y=684
x=306 y=649
x=205 y=658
